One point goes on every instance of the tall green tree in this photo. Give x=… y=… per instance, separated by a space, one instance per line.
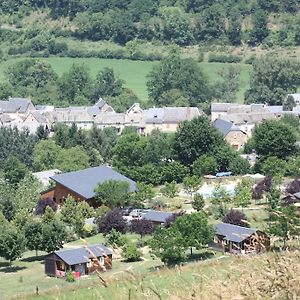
x=260 y=28
x=45 y=155
x=191 y=184
x=72 y=159
x=106 y=84
x=274 y=138
x=181 y=74
x=12 y=243
x=170 y=189
x=284 y=223
x=35 y=78
x=168 y=245
x=14 y=171
x=272 y=79
x=195 y=138
x=194 y=229
x=227 y=88
x=74 y=85
x=54 y=235
x=113 y=193
x=33 y=232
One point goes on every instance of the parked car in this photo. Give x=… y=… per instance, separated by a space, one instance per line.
x=127 y=210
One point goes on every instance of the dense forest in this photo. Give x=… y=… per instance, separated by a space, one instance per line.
x=184 y=22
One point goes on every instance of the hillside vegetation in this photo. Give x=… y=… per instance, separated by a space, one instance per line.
x=95 y=28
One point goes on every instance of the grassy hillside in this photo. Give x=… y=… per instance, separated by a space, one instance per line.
x=268 y=276
x=133 y=72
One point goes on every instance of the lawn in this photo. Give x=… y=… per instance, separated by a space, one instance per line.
x=27 y=273
x=133 y=73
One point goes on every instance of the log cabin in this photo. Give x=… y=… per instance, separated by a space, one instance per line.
x=240 y=240
x=83 y=261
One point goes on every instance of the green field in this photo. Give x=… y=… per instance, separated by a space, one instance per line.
x=134 y=73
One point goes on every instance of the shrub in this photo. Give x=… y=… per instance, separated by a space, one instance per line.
x=131 y=253
x=88 y=230
x=70 y=277
x=250 y=60
x=115 y=238
x=55 y=47
x=42 y=204
x=112 y=220
x=198 y=202
x=293 y=187
x=142 y=227
x=221 y=58
x=236 y=217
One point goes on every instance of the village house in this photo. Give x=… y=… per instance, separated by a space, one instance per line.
x=237 y=239
x=81 y=261
x=81 y=184
x=232 y=133
x=165 y=119
x=19 y=106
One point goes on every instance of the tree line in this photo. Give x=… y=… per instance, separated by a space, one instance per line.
x=181 y=22
x=173 y=82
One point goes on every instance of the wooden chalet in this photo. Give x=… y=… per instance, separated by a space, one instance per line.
x=83 y=261
x=237 y=239
x=81 y=184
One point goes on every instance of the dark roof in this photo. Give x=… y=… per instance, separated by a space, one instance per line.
x=83 y=254
x=233 y=233
x=85 y=181
x=291 y=199
x=223 y=126
x=15 y=105
x=157 y=216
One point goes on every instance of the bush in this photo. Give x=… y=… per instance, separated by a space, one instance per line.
x=112 y=220
x=142 y=227
x=88 y=230
x=70 y=277
x=115 y=238
x=236 y=217
x=221 y=58
x=56 y=48
x=131 y=253
x=42 y=204
x=250 y=60
x=201 y=57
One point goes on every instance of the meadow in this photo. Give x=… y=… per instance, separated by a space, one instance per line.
x=134 y=73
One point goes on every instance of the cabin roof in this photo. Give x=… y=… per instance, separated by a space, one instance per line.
x=234 y=233
x=83 y=254
x=85 y=181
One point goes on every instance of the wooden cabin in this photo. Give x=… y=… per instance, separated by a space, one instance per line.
x=237 y=239
x=81 y=184
x=83 y=261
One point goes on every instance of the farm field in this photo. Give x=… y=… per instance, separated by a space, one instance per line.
x=133 y=73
